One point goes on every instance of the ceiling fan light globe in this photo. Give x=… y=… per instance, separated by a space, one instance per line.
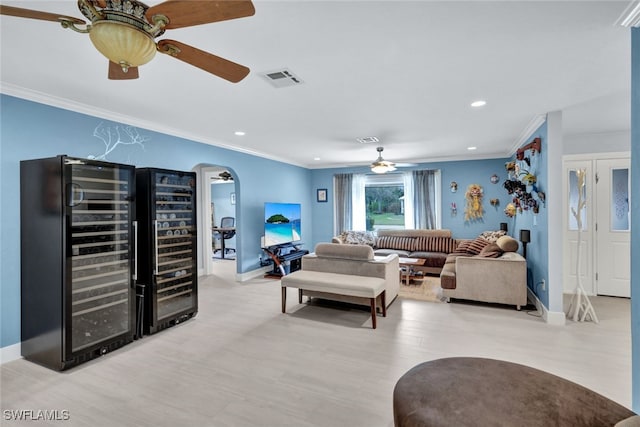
x=122 y=43
x=382 y=167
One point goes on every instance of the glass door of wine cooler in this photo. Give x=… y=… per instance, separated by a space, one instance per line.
x=174 y=228
x=99 y=252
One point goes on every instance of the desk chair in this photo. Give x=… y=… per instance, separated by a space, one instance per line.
x=226 y=222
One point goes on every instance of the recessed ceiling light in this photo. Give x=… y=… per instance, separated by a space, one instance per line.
x=472 y=148
x=479 y=103
x=316 y=158
x=239 y=133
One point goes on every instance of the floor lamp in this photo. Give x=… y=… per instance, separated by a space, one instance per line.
x=580 y=305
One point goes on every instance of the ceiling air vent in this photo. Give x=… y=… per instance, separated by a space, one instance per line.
x=282 y=78
x=367 y=139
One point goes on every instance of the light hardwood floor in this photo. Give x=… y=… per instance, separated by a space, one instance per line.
x=241 y=362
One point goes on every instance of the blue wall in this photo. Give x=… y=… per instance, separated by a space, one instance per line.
x=30 y=130
x=635 y=217
x=462 y=172
x=538 y=248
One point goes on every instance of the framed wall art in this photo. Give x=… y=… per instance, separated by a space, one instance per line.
x=321 y=195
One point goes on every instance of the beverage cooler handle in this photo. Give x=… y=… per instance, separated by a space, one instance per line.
x=155 y=226
x=72 y=189
x=135 y=250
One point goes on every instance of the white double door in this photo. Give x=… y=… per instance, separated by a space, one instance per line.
x=605 y=260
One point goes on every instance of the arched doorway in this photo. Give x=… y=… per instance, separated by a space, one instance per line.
x=218 y=185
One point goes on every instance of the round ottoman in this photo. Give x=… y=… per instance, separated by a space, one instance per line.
x=469 y=391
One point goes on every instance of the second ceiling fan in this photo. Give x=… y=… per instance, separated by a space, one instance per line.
x=124 y=31
x=383 y=166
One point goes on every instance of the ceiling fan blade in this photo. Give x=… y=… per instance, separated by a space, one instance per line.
x=36 y=14
x=204 y=60
x=117 y=73
x=186 y=13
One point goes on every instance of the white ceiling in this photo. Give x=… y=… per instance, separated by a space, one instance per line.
x=404 y=71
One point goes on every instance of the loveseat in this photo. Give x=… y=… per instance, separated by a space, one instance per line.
x=481 y=270
x=432 y=245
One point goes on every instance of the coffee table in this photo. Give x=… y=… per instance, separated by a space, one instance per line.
x=407 y=272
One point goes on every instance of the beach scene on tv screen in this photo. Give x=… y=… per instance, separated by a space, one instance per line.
x=281 y=223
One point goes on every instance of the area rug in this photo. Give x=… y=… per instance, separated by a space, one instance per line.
x=426 y=290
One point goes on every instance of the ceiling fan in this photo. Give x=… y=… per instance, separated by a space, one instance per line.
x=222 y=177
x=381 y=165
x=124 y=31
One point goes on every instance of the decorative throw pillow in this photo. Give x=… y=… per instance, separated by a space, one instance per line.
x=463 y=246
x=396 y=242
x=492 y=236
x=476 y=246
x=508 y=244
x=492 y=250
x=358 y=237
x=435 y=244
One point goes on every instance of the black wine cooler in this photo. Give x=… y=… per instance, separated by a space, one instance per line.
x=167 y=277
x=78 y=264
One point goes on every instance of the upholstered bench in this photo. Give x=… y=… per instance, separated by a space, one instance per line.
x=470 y=391
x=345 y=273
x=338 y=284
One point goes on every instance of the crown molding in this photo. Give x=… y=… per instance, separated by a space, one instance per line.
x=77 y=107
x=537 y=121
x=631 y=15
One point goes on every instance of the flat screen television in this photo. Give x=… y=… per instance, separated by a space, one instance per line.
x=281 y=223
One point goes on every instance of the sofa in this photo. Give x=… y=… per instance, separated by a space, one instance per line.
x=470 y=391
x=486 y=271
x=486 y=268
x=348 y=273
x=431 y=245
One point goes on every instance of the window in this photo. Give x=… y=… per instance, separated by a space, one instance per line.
x=384 y=201
x=395 y=200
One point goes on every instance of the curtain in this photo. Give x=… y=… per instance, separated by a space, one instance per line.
x=358 y=203
x=343 y=203
x=409 y=217
x=424 y=186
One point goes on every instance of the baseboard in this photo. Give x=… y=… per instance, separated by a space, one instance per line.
x=557 y=318
x=10 y=353
x=258 y=272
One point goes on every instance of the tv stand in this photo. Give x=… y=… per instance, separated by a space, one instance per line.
x=286 y=254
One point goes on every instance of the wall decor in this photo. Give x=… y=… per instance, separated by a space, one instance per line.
x=510 y=210
x=494 y=202
x=453 y=186
x=473 y=197
x=117 y=136
x=454 y=209
x=494 y=179
x=522 y=182
x=321 y=195
x=534 y=146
